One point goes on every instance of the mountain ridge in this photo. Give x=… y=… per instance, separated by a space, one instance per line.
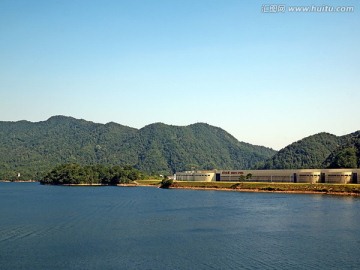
x=33 y=148
x=321 y=150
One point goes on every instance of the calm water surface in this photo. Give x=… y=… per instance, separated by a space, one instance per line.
x=49 y=227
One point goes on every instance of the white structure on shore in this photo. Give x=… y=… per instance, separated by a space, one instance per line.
x=335 y=176
x=204 y=176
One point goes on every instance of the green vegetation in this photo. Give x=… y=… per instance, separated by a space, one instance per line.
x=166 y=183
x=169 y=149
x=149 y=182
x=243 y=177
x=344 y=158
x=32 y=149
x=74 y=174
x=322 y=150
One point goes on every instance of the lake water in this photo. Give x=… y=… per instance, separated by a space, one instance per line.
x=53 y=227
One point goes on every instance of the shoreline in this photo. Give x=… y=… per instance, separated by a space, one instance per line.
x=18 y=181
x=265 y=187
x=269 y=191
x=253 y=187
x=83 y=185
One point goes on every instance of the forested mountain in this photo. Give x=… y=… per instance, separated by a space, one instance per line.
x=32 y=149
x=347 y=155
x=199 y=145
x=322 y=150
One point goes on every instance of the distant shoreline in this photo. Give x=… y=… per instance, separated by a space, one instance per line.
x=271 y=191
x=18 y=181
x=289 y=188
x=253 y=187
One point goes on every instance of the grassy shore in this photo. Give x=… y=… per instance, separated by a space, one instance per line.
x=151 y=182
x=339 y=189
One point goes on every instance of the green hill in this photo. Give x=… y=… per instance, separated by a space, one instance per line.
x=347 y=155
x=322 y=150
x=195 y=146
x=32 y=149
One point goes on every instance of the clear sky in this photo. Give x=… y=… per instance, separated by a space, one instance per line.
x=267 y=78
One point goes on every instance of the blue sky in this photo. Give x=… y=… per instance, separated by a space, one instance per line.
x=268 y=79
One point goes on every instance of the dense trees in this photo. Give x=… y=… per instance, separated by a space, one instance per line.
x=309 y=153
x=200 y=146
x=322 y=150
x=345 y=158
x=32 y=149
x=97 y=174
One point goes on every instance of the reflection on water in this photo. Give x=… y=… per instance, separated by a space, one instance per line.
x=46 y=227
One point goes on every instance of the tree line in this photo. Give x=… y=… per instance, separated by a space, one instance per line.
x=75 y=174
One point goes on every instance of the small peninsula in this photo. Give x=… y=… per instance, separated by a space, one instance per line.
x=94 y=175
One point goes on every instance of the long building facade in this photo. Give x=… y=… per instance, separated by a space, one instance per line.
x=335 y=176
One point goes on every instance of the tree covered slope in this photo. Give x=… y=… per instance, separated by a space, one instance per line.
x=321 y=150
x=32 y=149
x=195 y=146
